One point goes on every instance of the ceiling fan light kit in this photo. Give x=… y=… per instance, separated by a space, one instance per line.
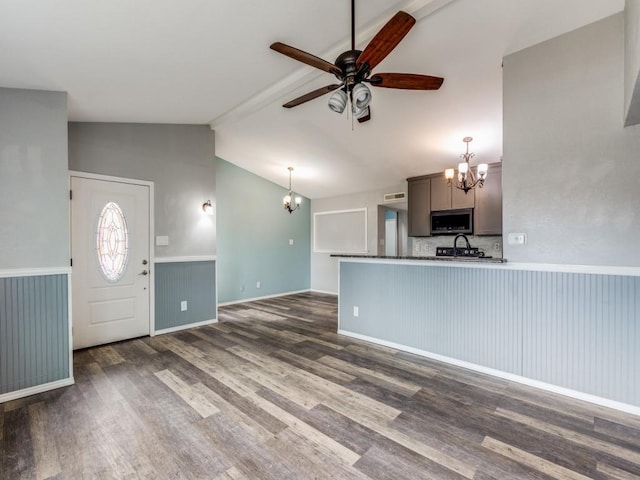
x=353 y=69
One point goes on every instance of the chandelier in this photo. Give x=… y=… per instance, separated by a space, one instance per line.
x=286 y=200
x=467 y=179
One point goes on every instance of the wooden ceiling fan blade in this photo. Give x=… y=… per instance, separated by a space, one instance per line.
x=304 y=57
x=406 y=81
x=386 y=39
x=311 y=95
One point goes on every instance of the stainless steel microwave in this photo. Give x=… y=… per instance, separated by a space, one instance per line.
x=452 y=222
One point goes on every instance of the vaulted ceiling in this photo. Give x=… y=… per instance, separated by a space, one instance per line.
x=197 y=61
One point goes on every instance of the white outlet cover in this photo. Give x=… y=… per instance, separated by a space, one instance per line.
x=291 y=241
x=183 y=306
x=356 y=311
x=517 y=238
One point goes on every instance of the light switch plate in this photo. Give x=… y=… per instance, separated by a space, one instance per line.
x=517 y=238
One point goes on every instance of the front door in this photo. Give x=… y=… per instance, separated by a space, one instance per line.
x=110 y=259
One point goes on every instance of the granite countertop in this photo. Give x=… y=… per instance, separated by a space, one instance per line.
x=438 y=259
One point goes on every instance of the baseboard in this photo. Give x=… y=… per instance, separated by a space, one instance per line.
x=587 y=397
x=45 y=387
x=244 y=300
x=183 y=327
x=326 y=292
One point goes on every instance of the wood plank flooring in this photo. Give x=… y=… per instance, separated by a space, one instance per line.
x=272 y=392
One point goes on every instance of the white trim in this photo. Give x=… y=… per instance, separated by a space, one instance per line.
x=334 y=212
x=323 y=291
x=34 y=272
x=109 y=178
x=536 y=267
x=70 y=325
x=193 y=258
x=605 y=402
x=243 y=300
x=184 y=327
x=45 y=387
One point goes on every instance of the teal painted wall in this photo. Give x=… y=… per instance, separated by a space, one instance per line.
x=193 y=282
x=253 y=237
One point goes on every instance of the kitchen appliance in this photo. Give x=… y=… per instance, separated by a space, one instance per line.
x=461 y=252
x=452 y=222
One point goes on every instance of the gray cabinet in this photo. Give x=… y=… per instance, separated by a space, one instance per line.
x=419 y=190
x=487 y=215
x=446 y=197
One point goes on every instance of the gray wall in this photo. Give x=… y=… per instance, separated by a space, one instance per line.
x=570 y=168
x=34 y=185
x=632 y=62
x=179 y=159
x=324 y=268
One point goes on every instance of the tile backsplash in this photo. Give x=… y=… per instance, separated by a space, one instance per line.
x=426 y=246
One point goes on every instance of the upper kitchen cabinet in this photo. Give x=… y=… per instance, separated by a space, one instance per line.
x=419 y=189
x=447 y=197
x=487 y=215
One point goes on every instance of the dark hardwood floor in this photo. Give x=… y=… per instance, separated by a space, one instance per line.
x=272 y=392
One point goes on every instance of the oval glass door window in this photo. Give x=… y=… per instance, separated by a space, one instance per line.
x=112 y=242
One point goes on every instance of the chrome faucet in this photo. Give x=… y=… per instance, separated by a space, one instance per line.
x=455 y=243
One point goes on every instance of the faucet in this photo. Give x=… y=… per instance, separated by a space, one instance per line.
x=455 y=243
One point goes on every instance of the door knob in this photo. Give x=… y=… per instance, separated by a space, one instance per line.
x=143 y=272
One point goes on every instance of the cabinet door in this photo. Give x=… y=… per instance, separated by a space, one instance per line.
x=440 y=193
x=419 y=207
x=488 y=212
x=459 y=199
x=446 y=197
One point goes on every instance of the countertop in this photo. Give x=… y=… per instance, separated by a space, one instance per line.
x=437 y=259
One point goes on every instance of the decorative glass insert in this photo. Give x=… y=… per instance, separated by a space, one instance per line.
x=112 y=242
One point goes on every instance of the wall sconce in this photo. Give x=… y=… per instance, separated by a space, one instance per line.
x=207 y=207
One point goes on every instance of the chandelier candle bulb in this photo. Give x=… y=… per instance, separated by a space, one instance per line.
x=467 y=179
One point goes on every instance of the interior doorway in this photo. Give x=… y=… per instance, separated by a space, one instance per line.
x=392 y=231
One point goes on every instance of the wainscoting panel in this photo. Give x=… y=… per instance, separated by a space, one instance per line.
x=582 y=332
x=193 y=282
x=34 y=331
x=577 y=331
x=442 y=310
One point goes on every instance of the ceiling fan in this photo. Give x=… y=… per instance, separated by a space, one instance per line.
x=353 y=69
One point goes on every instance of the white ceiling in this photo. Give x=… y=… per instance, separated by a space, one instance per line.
x=208 y=61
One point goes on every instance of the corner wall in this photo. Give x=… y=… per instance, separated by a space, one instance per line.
x=253 y=237
x=180 y=161
x=324 y=268
x=570 y=168
x=35 y=352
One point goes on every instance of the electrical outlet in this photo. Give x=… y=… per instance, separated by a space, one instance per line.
x=183 y=306
x=356 y=311
x=497 y=246
x=291 y=241
x=258 y=284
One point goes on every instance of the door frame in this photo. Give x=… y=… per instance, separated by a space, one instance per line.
x=152 y=264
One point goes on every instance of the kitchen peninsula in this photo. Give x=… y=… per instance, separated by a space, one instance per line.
x=562 y=328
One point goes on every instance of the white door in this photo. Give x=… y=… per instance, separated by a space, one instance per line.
x=110 y=260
